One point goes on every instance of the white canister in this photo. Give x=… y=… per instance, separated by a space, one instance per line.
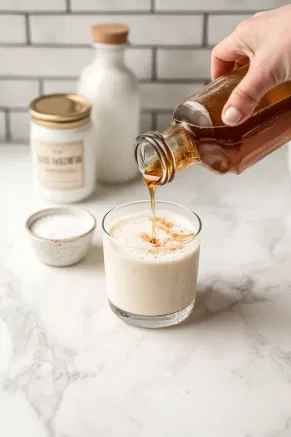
x=62 y=147
x=114 y=92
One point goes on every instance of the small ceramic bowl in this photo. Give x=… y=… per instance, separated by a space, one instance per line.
x=53 y=248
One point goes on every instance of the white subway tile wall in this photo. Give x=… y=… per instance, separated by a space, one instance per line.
x=33 y=5
x=146 y=122
x=217 y=5
x=58 y=86
x=13 y=29
x=44 y=44
x=110 y=5
x=46 y=62
x=219 y=26
x=164 y=121
x=183 y=63
x=19 y=126
x=17 y=93
x=149 y=29
x=165 y=95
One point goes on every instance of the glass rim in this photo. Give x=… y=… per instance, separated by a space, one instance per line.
x=115 y=208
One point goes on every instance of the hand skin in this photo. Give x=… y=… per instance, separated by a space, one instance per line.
x=264 y=41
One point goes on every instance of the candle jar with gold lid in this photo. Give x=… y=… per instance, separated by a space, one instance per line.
x=64 y=163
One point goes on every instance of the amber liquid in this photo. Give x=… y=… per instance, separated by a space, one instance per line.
x=152 y=191
x=233 y=149
x=221 y=148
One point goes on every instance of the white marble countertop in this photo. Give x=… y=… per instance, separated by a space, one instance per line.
x=70 y=368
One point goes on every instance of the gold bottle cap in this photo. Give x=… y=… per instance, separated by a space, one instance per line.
x=109 y=33
x=60 y=111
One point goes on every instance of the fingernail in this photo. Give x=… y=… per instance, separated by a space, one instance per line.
x=231 y=116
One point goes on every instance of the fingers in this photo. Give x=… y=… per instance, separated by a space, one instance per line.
x=224 y=56
x=259 y=14
x=268 y=54
x=219 y=67
x=246 y=96
x=243 y=60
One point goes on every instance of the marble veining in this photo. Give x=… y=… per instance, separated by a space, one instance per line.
x=70 y=368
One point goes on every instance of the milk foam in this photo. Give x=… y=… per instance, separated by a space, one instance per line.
x=130 y=230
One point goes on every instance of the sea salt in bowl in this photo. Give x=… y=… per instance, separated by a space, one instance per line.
x=61 y=237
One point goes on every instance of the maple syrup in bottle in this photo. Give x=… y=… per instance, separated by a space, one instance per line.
x=198 y=136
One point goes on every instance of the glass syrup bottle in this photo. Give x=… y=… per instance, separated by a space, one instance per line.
x=198 y=136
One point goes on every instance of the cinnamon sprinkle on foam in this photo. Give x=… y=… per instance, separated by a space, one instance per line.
x=149 y=239
x=173 y=233
x=163 y=223
x=166 y=226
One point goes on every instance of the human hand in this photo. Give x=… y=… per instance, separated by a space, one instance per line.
x=264 y=41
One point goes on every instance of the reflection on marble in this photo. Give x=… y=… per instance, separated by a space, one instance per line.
x=70 y=368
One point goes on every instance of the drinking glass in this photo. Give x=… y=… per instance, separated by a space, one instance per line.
x=155 y=290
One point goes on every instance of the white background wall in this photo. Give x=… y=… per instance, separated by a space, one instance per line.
x=45 y=43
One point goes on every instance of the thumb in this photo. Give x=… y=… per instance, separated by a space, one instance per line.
x=246 y=96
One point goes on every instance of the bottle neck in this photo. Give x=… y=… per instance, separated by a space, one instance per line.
x=109 y=54
x=160 y=155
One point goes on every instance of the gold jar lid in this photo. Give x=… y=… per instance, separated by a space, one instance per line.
x=60 y=111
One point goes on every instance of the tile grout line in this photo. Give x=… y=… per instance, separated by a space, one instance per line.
x=40 y=86
x=145 y=81
x=7 y=125
x=23 y=110
x=68 y=6
x=27 y=30
x=154 y=64
x=78 y=46
x=205 y=30
x=29 y=77
x=152 y=6
x=154 y=120
x=21 y=141
x=133 y=12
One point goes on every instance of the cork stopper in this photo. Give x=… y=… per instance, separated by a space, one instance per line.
x=109 y=33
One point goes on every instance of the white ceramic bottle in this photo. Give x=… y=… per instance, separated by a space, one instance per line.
x=114 y=93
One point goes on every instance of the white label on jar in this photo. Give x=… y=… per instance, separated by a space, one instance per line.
x=60 y=165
